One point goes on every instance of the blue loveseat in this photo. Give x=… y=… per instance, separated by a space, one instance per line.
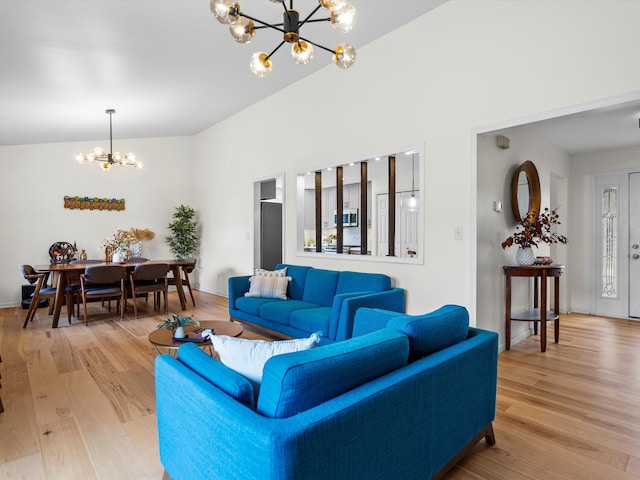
x=318 y=301
x=406 y=401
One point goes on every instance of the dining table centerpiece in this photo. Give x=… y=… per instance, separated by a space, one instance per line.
x=126 y=244
x=533 y=230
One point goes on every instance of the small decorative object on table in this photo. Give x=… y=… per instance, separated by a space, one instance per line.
x=543 y=261
x=533 y=230
x=126 y=244
x=195 y=336
x=176 y=324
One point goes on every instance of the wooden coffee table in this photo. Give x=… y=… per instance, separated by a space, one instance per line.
x=164 y=338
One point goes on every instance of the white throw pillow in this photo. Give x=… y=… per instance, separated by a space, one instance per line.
x=268 y=287
x=271 y=273
x=247 y=357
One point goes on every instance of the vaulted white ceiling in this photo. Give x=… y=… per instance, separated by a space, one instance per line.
x=167 y=66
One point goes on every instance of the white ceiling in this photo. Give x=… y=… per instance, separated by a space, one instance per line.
x=167 y=66
x=604 y=128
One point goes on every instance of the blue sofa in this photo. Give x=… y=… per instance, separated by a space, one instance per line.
x=371 y=407
x=318 y=301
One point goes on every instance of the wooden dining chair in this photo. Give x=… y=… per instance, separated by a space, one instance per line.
x=185 y=270
x=103 y=282
x=73 y=291
x=149 y=278
x=40 y=293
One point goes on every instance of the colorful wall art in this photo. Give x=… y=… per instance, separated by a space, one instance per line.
x=93 y=203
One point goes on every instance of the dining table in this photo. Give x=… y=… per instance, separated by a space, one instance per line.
x=63 y=271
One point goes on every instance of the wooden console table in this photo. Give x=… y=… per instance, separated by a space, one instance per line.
x=539 y=313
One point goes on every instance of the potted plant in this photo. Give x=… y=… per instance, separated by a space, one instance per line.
x=183 y=241
x=176 y=324
x=533 y=230
x=125 y=244
x=119 y=244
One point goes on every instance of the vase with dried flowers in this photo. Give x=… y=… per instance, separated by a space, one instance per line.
x=125 y=244
x=532 y=231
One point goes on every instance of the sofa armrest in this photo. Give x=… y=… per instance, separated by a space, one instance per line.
x=194 y=414
x=336 y=308
x=237 y=286
x=369 y=320
x=388 y=300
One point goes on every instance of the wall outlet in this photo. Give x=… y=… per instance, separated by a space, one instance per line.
x=457 y=233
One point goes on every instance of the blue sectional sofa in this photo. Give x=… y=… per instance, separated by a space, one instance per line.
x=317 y=301
x=376 y=406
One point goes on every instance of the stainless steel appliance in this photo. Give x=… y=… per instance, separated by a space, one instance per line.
x=349 y=217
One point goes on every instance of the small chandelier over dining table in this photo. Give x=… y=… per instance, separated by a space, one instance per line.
x=106 y=160
x=243 y=27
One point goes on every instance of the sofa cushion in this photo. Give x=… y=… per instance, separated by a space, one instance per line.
x=281 y=312
x=311 y=320
x=349 y=282
x=433 y=331
x=247 y=357
x=252 y=304
x=268 y=287
x=298 y=275
x=281 y=272
x=299 y=381
x=320 y=286
x=226 y=379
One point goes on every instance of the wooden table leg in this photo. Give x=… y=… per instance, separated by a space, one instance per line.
x=535 y=302
x=543 y=311
x=507 y=289
x=178 y=280
x=63 y=280
x=556 y=308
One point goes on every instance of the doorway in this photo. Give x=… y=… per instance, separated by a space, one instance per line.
x=617 y=242
x=268 y=222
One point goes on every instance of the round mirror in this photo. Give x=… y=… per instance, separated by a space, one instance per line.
x=525 y=191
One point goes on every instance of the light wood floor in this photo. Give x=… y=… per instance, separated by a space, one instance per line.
x=79 y=401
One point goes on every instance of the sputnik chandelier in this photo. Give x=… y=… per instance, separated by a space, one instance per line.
x=243 y=28
x=104 y=159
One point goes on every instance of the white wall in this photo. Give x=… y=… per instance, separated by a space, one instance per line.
x=36 y=178
x=451 y=72
x=460 y=67
x=495 y=171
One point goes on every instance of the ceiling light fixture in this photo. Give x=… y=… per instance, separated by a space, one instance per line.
x=243 y=28
x=413 y=201
x=105 y=159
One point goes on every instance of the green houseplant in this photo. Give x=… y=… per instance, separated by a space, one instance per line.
x=183 y=241
x=176 y=324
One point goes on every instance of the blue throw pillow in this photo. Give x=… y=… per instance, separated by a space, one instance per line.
x=227 y=380
x=295 y=382
x=433 y=331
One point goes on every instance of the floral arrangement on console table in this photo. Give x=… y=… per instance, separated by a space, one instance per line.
x=125 y=244
x=532 y=231
x=176 y=324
